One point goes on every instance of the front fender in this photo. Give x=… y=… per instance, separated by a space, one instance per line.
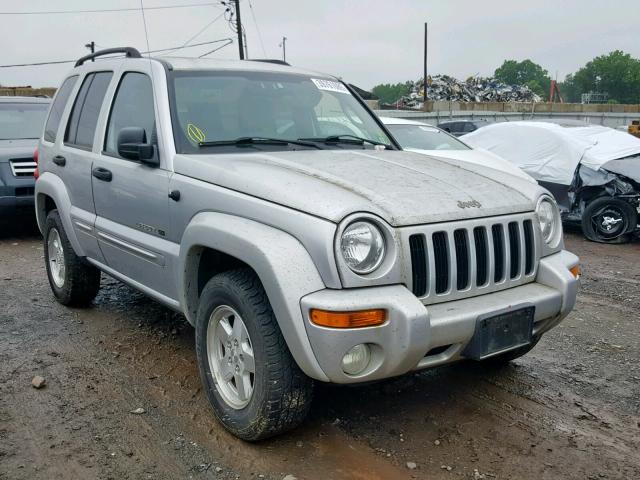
x=52 y=186
x=283 y=265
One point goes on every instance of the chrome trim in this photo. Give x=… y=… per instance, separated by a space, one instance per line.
x=22 y=167
x=129 y=247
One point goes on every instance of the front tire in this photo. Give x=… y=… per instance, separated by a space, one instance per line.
x=252 y=382
x=609 y=220
x=73 y=282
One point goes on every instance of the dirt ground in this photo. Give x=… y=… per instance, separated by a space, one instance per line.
x=569 y=409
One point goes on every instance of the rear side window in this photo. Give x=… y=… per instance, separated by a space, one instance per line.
x=132 y=107
x=53 y=122
x=86 y=110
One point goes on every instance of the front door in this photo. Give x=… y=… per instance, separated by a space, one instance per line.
x=131 y=198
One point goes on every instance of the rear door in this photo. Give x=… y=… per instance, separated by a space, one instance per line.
x=131 y=198
x=73 y=158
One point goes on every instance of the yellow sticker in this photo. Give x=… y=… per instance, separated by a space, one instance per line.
x=195 y=134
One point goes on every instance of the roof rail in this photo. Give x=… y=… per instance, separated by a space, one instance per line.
x=130 y=52
x=271 y=60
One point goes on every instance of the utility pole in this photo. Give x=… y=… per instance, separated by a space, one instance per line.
x=284 y=49
x=91 y=46
x=239 y=28
x=424 y=71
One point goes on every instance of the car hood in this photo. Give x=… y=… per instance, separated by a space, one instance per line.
x=402 y=187
x=478 y=156
x=21 y=148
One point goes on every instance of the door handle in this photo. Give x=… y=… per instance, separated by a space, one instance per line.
x=60 y=160
x=102 y=174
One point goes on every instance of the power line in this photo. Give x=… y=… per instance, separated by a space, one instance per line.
x=150 y=51
x=109 y=10
x=253 y=15
x=229 y=42
x=201 y=31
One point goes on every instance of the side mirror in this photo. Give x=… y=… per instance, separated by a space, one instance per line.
x=132 y=145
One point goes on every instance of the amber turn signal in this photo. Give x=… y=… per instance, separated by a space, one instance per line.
x=361 y=318
x=576 y=271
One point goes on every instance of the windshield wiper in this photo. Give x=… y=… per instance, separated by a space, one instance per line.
x=346 y=138
x=244 y=141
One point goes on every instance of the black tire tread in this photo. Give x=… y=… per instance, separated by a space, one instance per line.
x=289 y=397
x=82 y=281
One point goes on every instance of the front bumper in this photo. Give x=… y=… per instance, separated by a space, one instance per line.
x=417 y=336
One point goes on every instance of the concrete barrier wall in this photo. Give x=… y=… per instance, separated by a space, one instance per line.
x=610 y=119
x=526 y=107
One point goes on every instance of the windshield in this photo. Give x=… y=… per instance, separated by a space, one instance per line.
x=22 y=120
x=214 y=109
x=425 y=137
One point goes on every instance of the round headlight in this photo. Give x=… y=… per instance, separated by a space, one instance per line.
x=547 y=213
x=362 y=247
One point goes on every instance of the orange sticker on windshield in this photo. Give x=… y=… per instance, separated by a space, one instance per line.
x=195 y=134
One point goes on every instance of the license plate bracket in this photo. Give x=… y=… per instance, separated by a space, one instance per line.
x=500 y=332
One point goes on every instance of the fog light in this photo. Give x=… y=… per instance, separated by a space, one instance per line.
x=356 y=359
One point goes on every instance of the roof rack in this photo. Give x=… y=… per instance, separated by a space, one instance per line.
x=271 y=60
x=129 y=52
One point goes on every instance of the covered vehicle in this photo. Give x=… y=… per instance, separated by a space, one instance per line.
x=424 y=138
x=593 y=171
x=21 y=123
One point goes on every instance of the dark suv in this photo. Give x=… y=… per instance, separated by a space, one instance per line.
x=460 y=127
x=21 y=122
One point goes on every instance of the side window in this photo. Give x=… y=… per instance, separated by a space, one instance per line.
x=86 y=110
x=132 y=107
x=55 y=115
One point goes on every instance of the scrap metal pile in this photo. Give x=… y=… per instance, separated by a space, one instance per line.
x=474 y=89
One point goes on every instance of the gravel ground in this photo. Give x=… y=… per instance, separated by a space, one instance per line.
x=569 y=409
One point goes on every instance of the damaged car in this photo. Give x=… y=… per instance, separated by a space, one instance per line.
x=593 y=171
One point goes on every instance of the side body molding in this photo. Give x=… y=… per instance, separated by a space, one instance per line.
x=283 y=265
x=52 y=186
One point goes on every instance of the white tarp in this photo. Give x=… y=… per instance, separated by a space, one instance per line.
x=551 y=153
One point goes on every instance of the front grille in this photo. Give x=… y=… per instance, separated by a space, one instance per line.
x=466 y=258
x=22 y=167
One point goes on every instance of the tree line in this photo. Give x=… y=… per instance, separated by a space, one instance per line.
x=616 y=74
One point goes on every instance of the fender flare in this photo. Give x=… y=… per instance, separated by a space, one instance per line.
x=283 y=265
x=51 y=185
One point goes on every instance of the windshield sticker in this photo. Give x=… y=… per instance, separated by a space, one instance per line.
x=329 y=85
x=195 y=134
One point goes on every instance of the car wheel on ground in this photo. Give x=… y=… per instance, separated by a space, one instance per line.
x=252 y=382
x=73 y=282
x=608 y=220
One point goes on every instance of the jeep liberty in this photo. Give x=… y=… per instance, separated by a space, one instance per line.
x=274 y=209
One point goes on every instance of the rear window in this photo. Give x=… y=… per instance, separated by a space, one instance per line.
x=53 y=122
x=21 y=120
x=86 y=110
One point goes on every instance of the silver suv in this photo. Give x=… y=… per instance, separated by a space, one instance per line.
x=272 y=208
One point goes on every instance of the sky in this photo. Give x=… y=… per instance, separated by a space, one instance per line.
x=364 y=42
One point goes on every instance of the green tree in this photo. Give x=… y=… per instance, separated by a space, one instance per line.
x=525 y=72
x=391 y=92
x=616 y=73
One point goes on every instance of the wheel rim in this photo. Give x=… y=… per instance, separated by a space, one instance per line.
x=230 y=354
x=609 y=221
x=57 y=265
